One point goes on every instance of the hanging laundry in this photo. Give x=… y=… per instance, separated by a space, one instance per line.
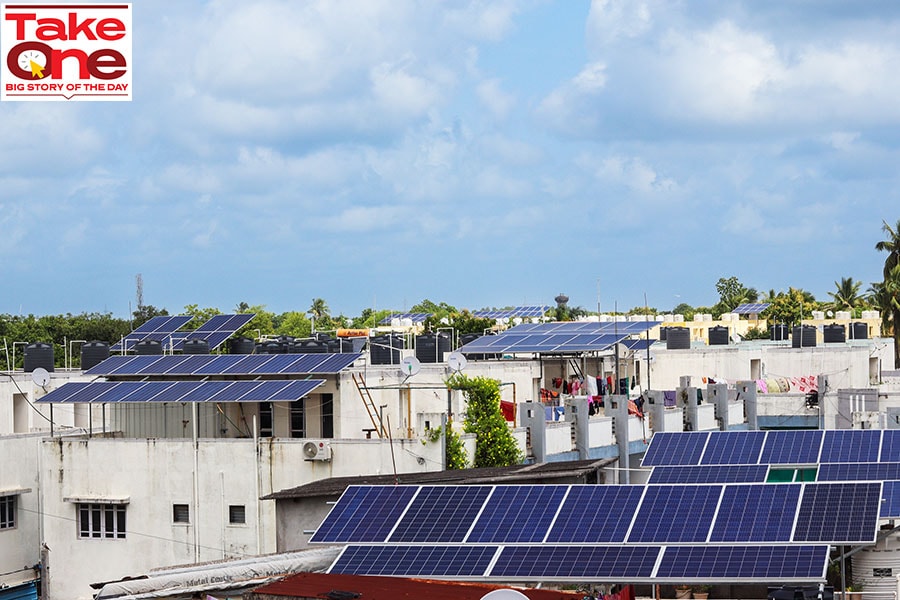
x=590 y=387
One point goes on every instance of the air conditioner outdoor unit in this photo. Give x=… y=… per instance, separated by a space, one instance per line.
x=317 y=450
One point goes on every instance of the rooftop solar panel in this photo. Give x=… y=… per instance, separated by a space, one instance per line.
x=215 y=331
x=441 y=514
x=599 y=513
x=364 y=514
x=751 y=308
x=756 y=513
x=415 y=561
x=157 y=328
x=844 y=513
x=858 y=471
x=709 y=474
x=792 y=447
x=509 y=313
x=890 y=505
x=675 y=448
x=744 y=563
x=733 y=448
x=851 y=445
x=517 y=513
x=555 y=563
x=414 y=317
x=225 y=364
x=181 y=391
x=657 y=522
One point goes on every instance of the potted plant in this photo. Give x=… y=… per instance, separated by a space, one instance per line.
x=682 y=591
x=701 y=592
x=853 y=592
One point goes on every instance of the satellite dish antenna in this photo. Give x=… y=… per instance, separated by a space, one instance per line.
x=410 y=366
x=504 y=595
x=456 y=361
x=40 y=376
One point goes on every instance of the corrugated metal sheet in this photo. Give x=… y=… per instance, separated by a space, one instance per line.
x=20 y=592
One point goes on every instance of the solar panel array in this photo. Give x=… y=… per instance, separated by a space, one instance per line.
x=752 y=308
x=215 y=331
x=166 y=331
x=157 y=328
x=184 y=365
x=557 y=337
x=182 y=391
x=415 y=318
x=709 y=474
x=653 y=514
x=524 y=312
x=791 y=447
x=637 y=564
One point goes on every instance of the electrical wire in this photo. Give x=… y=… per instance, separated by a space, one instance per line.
x=24 y=395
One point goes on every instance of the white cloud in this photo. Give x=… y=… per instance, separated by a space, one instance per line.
x=494 y=98
x=610 y=20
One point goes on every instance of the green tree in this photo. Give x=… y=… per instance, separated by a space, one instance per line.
x=319 y=309
x=494 y=443
x=369 y=318
x=791 y=307
x=686 y=310
x=887 y=298
x=295 y=324
x=263 y=322
x=147 y=312
x=200 y=315
x=846 y=296
x=732 y=293
x=891 y=245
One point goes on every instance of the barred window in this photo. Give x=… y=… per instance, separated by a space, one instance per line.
x=101 y=521
x=7 y=512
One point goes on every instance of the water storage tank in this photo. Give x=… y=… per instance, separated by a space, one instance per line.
x=195 y=346
x=338 y=345
x=385 y=349
x=833 y=333
x=240 y=345
x=430 y=348
x=93 y=353
x=678 y=338
x=803 y=336
x=859 y=331
x=148 y=348
x=38 y=354
x=662 y=333
x=310 y=347
x=778 y=332
x=718 y=335
x=875 y=568
x=273 y=347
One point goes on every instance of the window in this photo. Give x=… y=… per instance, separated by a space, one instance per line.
x=237 y=515
x=298 y=419
x=181 y=513
x=8 y=512
x=327 y=416
x=265 y=419
x=101 y=521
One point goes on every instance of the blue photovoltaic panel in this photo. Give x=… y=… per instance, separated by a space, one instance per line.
x=751 y=309
x=364 y=514
x=557 y=337
x=517 y=513
x=110 y=364
x=858 y=471
x=441 y=514
x=733 y=448
x=151 y=325
x=655 y=521
x=415 y=561
x=638 y=345
x=743 y=563
x=225 y=364
x=839 y=513
x=756 y=513
x=890 y=445
x=792 y=447
x=576 y=562
x=596 y=513
x=182 y=391
x=851 y=445
x=414 y=317
x=157 y=328
x=890 y=494
x=509 y=313
x=710 y=474
x=215 y=331
x=675 y=448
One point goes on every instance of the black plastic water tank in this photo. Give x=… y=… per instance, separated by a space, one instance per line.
x=430 y=348
x=38 y=354
x=678 y=338
x=662 y=333
x=718 y=335
x=778 y=332
x=148 y=348
x=310 y=347
x=338 y=345
x=195 y=346
x=803 y=336
x=859 y=331
x=834 y=333
x=385 y=349
x=240 y=345
x=93 y=353
x=273 y=347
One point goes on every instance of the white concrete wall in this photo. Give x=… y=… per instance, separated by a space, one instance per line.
x=20 y=546
x=600 y=432
x=559 y=438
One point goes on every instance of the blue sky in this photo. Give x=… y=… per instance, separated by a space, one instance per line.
x=379 y=152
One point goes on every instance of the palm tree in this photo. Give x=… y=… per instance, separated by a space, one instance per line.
x=847 y=294
x=889 y=296
x=319 y=308
x=891 y=246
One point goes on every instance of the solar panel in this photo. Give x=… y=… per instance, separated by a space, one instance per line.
x=181 y=391
x=709 y=474
x=845 y=513
x=744 y=563
x=596 y=513
x=890 y=445
x=509 y=313
x=225 y=364
x=440 y=514
x=675 y=448
x=792 y=447
x=157 y=328
x=638 y=345
x=890 y=505
x=858 y=471
x=517 y=513
x=576 y=562
x=733 y=448
x=364 y=514
x=414 y=317
x=751 y=308
x=215 y=331
x=557 y=337
x=413 y=561
x=756 y=513
x=851 y=445
x=662 y=514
